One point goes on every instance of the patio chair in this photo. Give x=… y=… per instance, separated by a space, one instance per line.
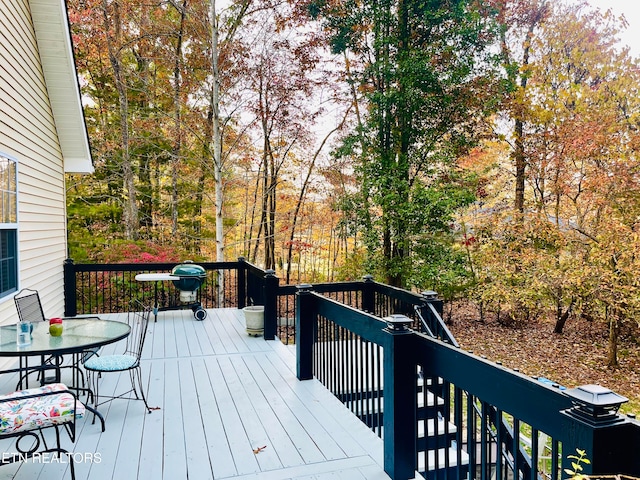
x=26 y=414
x=128 y=361
x=30 y=309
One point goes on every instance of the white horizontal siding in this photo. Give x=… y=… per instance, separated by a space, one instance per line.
x=28 y=133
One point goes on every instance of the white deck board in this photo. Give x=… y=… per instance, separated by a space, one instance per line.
x=221 y=394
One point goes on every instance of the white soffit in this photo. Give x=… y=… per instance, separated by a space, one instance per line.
x=51 y=25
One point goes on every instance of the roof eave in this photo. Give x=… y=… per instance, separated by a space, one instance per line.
x=51 y=24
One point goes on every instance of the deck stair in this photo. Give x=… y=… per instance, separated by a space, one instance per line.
x=438 y=456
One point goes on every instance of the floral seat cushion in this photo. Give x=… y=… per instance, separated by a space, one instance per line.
x=111 y=363
x=18 y=414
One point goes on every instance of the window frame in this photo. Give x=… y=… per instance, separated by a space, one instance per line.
x=9 y=226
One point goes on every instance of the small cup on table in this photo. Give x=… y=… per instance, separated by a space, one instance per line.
x=23 y=334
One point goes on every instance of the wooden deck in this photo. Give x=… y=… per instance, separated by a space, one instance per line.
x=220 y=394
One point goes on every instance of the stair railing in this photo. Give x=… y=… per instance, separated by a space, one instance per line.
x=447 y=413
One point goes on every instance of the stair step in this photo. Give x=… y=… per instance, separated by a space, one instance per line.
x=374 y=420
x=431 y=428
x=421 y=380
x=431 y=459
x=373 y=405
x=436 y=436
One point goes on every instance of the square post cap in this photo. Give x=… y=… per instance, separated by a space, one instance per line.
x=397 y=323
x=595 y=404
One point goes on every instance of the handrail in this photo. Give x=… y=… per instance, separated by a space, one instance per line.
x=444 y=333
x=423 y=322
x=345 y=347
x=350 y=332
x=91 y=288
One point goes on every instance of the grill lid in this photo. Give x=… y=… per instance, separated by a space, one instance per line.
x=189 y=269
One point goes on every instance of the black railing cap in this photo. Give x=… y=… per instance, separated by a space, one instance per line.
x=430 y=295
x=397 y=322
x=595 y=404
x=595 y=395
x=304 y=287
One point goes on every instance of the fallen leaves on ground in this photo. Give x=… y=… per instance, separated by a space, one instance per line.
x=576 y=357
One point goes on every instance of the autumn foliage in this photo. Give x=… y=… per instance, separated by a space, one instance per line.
x=487 y=151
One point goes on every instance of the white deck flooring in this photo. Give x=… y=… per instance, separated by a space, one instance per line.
x=221 y=394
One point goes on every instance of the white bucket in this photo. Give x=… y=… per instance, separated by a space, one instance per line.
x=254 y=320
x=188 y=297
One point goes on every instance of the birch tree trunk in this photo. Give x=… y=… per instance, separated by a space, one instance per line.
x=217 y=147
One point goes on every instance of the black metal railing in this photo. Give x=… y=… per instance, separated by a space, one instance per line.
x=448 y=413
x=425 y=309
x=109 y=288
x=388 y=355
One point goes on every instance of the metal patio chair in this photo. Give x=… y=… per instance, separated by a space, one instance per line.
x=30 y=309
x=128 y=361
x=26 y=414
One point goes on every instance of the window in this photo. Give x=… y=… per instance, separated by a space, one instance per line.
x=8 y=225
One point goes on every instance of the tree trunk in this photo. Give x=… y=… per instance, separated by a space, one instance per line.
x=521 y=164
x=131 y=218
x=217 y=148
x=612 y=353
x=270 y=230
x=519 y=134
x=561 y=318
x=303 y=191
x=256 y=202
x=177 y=120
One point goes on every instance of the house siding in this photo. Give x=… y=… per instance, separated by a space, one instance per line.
x=28 y=133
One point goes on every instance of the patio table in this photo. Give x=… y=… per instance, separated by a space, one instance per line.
x=79 y=335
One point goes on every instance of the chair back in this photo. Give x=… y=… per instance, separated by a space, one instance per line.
x=29 y=306
x=138 y=321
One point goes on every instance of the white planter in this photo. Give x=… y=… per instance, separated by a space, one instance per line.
x=254 y=320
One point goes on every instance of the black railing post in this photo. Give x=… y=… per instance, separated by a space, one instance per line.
x=305 y=326
x=608 y=439
x=368 y=294
x=69 y=276
x=270 y=304
x=399 y=373
x=242 y=283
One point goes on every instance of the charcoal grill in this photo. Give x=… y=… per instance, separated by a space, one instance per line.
x=187 y=278
x=190 y=279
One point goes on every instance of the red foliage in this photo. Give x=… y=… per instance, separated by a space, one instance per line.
x=468 y=241
x=143 y=252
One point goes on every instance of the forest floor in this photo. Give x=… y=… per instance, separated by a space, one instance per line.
x=576 y=357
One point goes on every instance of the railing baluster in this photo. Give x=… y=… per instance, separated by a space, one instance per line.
x=445 y=394
x=535 y=453
x=516 y=446
x=361 y=378
x=484 y=437
x=554 y=459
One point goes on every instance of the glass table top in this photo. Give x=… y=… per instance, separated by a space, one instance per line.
x=78 y=334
